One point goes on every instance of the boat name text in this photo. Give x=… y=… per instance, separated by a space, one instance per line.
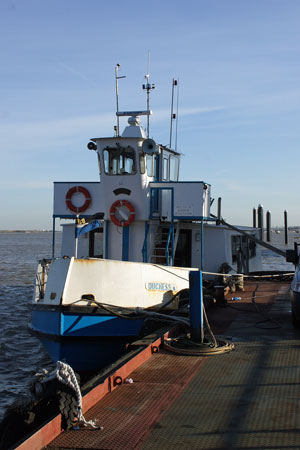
x=158 y=286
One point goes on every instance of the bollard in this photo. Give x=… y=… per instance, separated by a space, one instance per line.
x=260 y=220
x=196 y=306
x=286 y=237
x=268 y=226
x=254 y=217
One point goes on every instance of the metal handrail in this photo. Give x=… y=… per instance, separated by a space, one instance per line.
x=42 y=276
x=170 y=238
x=145 y=245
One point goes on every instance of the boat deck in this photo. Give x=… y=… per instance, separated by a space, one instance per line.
x=244 y=399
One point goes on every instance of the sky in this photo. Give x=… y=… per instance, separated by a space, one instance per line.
x=238 y=65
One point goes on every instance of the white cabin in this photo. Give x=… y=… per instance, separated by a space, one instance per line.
x=147 y=214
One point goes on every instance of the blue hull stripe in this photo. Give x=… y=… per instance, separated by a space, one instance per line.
x=66 y=324
x=86 y=342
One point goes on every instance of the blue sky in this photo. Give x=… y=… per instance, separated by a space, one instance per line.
x=238 y=63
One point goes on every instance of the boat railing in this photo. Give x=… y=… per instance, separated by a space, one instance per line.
x=41 y=277
x=181 y=200
x=145 y=245
x=170 y=257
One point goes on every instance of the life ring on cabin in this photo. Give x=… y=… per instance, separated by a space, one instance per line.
x=113 y=209
x=87 y=196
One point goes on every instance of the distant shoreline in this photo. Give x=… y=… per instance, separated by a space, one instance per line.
x=295 y=228
x=27 y=231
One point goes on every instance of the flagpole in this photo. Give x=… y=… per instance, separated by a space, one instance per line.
x=76 y=237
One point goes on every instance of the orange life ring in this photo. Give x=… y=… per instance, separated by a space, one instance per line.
x=86 y=204
x=112 y=213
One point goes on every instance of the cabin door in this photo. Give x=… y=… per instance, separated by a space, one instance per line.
x=96 y=248
x=183 y=254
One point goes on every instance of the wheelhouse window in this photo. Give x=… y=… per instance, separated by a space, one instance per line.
x=119 y=161
x=148 y=163
x=165 y=169
x=174 y=168
x=142 y=163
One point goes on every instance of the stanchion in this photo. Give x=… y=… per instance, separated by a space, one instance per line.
x=286 y=237
x=195 y=343
x=196 y=305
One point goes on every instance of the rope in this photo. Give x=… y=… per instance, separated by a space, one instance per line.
x=178 y=346
x=184 y=346
x=249 y=276
x=266 y=318
x=258 y=310
x=65 y=374
x=257 y=296
x=209 y=328
x=173 y=298
x=140 y=312
x=166 y=317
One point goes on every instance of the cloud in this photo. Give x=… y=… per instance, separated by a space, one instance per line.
x=272 y=103
x=36 y=135
x=78 y=74
x=165 y=114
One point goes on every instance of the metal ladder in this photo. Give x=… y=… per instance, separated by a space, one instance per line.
x=165 y=238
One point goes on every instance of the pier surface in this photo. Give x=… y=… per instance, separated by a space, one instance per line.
x=244 y=399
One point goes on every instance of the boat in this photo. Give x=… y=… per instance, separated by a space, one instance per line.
x=129 y=243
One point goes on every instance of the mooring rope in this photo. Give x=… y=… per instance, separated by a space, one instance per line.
x=288 y=274
x=65 y=375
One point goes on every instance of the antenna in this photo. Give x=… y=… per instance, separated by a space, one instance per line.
x=173 y=115
x=148 y=87
x=177 y=114
x=117 y=96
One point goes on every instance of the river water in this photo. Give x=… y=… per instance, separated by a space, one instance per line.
x=21 y=355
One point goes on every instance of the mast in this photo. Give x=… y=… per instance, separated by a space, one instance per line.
x=148 y=87
x=177 y=115
x=173 y=115
x=117 y=96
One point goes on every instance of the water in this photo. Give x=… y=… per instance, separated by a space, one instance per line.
x=273 y=261
x=21 y=355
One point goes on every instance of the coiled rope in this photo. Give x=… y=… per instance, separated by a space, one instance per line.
x=65 y=375
x=182 y=345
